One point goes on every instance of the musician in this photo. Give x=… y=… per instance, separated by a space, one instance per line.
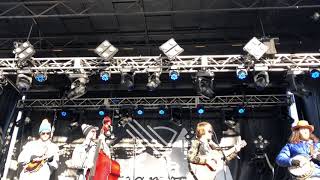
x=84 y=154
x=301 y=142
x=40 y=153
x=203 y=151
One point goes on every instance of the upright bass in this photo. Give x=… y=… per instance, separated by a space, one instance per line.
x=105 y=168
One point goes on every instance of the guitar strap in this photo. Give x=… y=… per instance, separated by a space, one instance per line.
x=192 y=173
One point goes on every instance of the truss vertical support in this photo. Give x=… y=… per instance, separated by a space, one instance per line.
x=204 y=62
x=293 y=112
x=12 y=144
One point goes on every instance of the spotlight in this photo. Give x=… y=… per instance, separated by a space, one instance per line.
x=205 y=83
x=242 y=73
x=260 y=144
x=174 y=75
x=200 y=109
x=315 y=16
x=23 y=82
x=315 y=74
x=140 y=110
x=127 y=79
x=40 y=77
x=63 y=113
x=241 y=110
x=105 y=76
x=23 y=51
x=162 y=111
x=255 y=48
x=171 y=49
x=153 y=81
x=106 y=50
x=101 y=113
x=261 y=80
x=78 y=87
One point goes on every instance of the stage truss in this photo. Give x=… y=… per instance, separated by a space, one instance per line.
x=145 y=64
x=155 y=102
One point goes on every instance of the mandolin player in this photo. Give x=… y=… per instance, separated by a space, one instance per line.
x=39 y=157
x=300 y=153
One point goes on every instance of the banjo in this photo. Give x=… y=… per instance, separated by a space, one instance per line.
x=305 y=170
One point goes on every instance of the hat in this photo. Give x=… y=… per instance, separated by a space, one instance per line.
x=45 y=126
x=86 y=128
x=303 y=124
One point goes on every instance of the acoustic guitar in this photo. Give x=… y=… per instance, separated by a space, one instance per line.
x=211 y=171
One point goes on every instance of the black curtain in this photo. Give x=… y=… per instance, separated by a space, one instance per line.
x=308 y=105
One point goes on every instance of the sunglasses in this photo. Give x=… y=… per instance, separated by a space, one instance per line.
x=45 y=133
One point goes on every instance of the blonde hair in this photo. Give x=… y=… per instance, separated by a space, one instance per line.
x=200 y=131
x=295 y=137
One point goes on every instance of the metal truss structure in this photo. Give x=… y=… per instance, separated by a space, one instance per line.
x=184 y=64
x=154 y=102
x=64 y=8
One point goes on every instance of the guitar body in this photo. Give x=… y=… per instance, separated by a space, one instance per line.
x=106 y=168
x=206 y=172
x=302 y=172
x=34 y=166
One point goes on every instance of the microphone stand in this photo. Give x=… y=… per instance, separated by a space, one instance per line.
x=223 y=154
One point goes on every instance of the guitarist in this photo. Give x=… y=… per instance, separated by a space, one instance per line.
x=39 y=157
x=301 y=142
x=205 y=153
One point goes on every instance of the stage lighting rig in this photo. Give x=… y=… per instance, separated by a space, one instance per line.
x=261 y=80
x=23 y=52
x=127 y=79
x=106 y=50
x=255 y=48
x=242 y=73
x=78 y=87
x=315 y=74
x=105 y=76
x=23 y=82
x=171 y=49
x=153 y=81
x=205 y=83
x=40 y=77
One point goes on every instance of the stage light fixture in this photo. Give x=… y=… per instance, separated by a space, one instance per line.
x=23 y=82
x=40 y=77
x=153 y=81
x=162 y=111
x=106 y=50
x=200 y=109
x=101 y=113
x=23 y=52
x=205 y=83
x=241 y=110
x=78 y=87
x=171 y=49
x=174 y=75
x=255 y=48
x=242 y=73
x=261 y=80
x=315 y=74
x=127 y=79
x=140 y=110
x=63 y=113
x=105 y=76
